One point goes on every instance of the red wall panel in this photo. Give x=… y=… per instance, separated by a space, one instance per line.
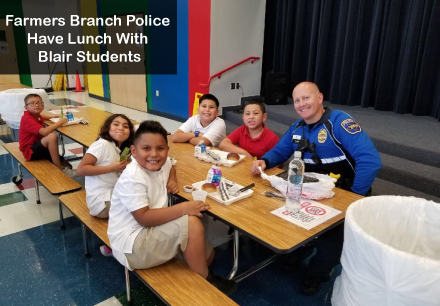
x=199 y=45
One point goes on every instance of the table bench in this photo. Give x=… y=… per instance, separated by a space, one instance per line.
x=44 y=172
x=173 y=282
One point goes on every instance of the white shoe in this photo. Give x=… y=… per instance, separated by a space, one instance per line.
x=69 y=172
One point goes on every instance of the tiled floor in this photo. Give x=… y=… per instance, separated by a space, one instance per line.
x=43 y=265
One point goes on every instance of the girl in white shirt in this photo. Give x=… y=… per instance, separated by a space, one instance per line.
x=101 y=164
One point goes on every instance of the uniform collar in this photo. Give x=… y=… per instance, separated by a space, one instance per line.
x=113 y=144
x=199 y=121
x=246 y=133
x=28 y=114
x=324 y=117
x=151 y=173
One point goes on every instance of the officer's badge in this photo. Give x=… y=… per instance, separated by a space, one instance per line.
x=322 y=136
x=351 y=126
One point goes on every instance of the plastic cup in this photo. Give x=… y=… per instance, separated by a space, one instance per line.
x=199 y=195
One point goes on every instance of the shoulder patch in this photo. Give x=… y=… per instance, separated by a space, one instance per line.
x=351 y=127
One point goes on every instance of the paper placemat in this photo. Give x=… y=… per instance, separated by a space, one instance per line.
x=75 y=121
x=223 y=160
x=58 y=111
x=310 y=215
x=217 y=197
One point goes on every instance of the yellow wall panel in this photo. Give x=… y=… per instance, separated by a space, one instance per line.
x=89 y=9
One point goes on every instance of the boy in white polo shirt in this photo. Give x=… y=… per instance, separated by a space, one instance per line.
x=204 y=126
x=143 y=231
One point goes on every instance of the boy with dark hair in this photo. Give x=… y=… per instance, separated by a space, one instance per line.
x=253 y=139
x=143 y=231
x=39 y=142
x=204 y=126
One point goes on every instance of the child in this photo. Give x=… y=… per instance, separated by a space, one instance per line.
x=254 y=139
x=143 y=231
x=203 y=126
x=36 y=141
x=101 y=163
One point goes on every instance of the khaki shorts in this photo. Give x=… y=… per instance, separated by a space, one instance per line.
x=104 y=213
x=156 y=245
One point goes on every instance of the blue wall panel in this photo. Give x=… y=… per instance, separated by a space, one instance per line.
x=173 y=89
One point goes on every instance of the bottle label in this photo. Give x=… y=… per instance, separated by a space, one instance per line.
x=70 y=117
x=217 y=177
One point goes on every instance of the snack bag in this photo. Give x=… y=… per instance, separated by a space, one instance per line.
x=125 y=154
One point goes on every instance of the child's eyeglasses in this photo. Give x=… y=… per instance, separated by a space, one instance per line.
x=35 y=103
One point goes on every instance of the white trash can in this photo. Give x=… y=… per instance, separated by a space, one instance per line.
x=12 y=104
x=391 y=254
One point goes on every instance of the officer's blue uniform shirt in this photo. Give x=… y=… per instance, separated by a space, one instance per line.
x=341 y=144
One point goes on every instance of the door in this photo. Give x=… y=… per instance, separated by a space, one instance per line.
x=128 y=89
x=8 y=57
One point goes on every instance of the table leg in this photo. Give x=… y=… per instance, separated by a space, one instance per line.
x=37 y=191
x=61 y=140
x=63 y=226
x=236 y=249
x=256 y=268
x=170 y=200
x=86 y=246
x=127 y=285
x=20 y=173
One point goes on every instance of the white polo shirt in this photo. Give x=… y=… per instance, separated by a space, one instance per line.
x=136 y=188
x=215 y=131
x=99 y=187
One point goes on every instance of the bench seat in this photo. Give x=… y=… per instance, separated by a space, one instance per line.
x=49 y=175
x=174 y=282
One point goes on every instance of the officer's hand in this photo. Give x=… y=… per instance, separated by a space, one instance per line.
x=256 y=164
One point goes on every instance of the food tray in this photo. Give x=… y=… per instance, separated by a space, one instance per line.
x=223 y=161
x=217 y=197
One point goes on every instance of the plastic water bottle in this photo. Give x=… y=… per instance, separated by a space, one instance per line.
x=295 y=183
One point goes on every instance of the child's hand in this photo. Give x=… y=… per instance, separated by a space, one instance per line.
x=63 y=121
x=119 y=166
x=201 y=134
x=194 y=208
x=172 y=186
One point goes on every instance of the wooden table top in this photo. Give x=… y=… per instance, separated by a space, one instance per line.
x=84 y=134
x=253 y=215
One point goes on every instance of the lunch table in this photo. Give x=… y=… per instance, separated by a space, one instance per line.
x=252 y=216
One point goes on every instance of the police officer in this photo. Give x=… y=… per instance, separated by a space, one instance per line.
x=331 y=142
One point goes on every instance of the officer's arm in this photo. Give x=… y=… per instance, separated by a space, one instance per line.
x=281 y=152
x=361 y=148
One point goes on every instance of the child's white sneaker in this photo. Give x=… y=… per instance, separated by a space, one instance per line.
x=69 y=172
x=105 y=251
